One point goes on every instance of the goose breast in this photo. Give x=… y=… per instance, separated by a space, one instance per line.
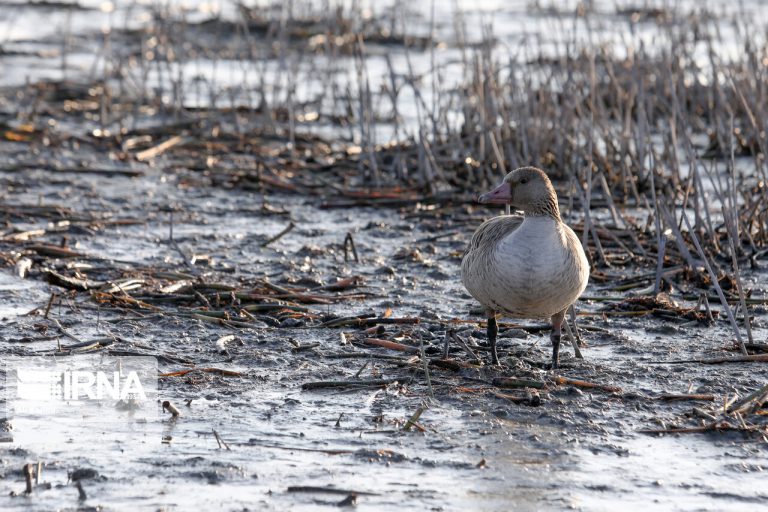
x=525 y=267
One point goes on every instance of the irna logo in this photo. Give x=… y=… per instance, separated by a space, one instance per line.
x=100 y=385
x=79 y=384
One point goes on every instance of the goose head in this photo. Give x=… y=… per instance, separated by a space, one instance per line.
x=527 y=189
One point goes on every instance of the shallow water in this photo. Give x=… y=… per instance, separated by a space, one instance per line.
x=88 y=43
x=674 y=473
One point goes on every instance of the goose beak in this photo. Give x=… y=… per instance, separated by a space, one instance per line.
x=500 y=195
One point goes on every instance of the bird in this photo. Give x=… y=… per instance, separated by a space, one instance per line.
x=525 y=266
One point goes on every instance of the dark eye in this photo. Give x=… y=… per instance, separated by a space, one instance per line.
x=524 y=181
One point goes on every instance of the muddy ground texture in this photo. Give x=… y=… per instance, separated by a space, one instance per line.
x=304 y=320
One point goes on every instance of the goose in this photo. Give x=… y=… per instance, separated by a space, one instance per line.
x=529 y=266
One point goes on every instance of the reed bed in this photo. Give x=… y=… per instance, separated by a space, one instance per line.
x=667 y=128
x=658 y=149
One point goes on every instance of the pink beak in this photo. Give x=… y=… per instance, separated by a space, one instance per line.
x=500 y=195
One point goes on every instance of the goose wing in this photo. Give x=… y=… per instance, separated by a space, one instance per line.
x=476 y=265
x=491 y=232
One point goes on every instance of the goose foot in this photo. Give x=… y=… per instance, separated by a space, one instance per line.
x=493 y=331
x=555 y=350
x=555 y=335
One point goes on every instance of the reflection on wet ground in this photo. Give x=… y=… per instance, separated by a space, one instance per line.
x=104 y=241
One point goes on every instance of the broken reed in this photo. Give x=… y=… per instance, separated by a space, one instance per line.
x=622 y=125
x=657 y=130
x=625 y=126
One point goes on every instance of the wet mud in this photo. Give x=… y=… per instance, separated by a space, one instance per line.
x=301 y=296
x=289 y=442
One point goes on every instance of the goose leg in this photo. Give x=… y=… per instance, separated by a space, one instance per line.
x=557 y=323
x=493 y=330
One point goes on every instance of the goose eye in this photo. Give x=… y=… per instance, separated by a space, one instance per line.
x=524 y=181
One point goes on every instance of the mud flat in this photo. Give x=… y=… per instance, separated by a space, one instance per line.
x=300 y=292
